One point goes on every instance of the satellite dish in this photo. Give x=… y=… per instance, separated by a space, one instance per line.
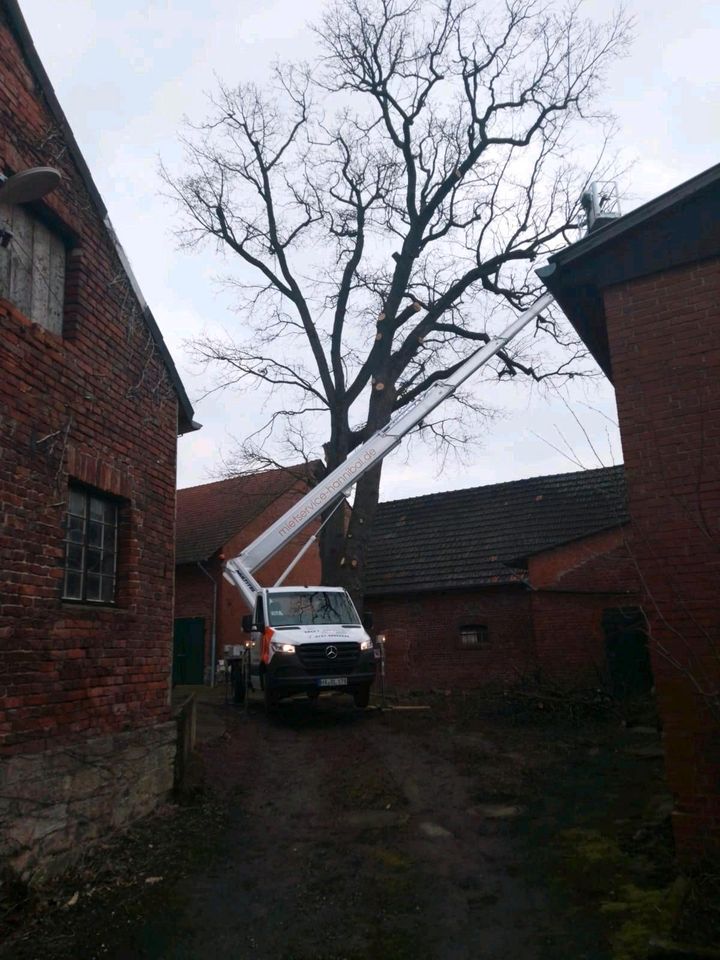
x=29 y=185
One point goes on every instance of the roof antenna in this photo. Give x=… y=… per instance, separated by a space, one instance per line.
x=601 y=203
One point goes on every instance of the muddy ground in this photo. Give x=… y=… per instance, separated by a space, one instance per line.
x=470 y=830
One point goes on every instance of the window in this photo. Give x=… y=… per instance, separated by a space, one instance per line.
x=90 y=547
x=319 y=608
x=473 y=635
x=32 y=268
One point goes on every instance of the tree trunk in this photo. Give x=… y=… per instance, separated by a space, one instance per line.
x=332 y=546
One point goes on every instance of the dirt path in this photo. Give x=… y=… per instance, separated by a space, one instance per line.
x=359 y=840
x=368 y=836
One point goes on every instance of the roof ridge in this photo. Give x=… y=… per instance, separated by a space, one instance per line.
x=503 y=483
x=246 y=476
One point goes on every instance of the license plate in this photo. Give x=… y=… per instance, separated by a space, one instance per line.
x=332 y=682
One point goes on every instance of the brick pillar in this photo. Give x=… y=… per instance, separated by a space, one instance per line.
x=664 y=334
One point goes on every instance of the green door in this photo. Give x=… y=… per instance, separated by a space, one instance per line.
x=189 y=650
x=627 y=651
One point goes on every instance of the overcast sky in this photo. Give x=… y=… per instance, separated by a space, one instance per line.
x=127 y=72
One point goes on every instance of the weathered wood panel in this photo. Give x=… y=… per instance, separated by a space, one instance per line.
x=56 y=286
x=32 y=269
x=39 y=274
x=21 y=256
x=6 y=223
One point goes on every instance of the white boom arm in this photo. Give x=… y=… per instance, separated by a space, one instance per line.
x=239 y=570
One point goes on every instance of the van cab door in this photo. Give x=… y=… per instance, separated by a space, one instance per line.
x=257 y=634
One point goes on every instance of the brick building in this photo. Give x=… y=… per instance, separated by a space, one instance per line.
x=490 y=585
x=215 y=521
x=91 y=406
x=644 y=294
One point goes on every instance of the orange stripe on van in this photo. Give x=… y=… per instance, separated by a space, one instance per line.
x=267 y=636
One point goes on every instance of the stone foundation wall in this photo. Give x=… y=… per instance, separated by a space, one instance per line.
x=53 y=803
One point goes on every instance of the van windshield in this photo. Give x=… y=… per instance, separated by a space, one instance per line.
x=311 y=607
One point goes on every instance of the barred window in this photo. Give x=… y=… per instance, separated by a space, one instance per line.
x=473 y=635
x=91 y=540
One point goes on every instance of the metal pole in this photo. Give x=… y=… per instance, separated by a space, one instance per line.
x=213 y=651
x=381 y=644
x=304 y=549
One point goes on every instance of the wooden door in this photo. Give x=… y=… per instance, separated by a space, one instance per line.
x=627 y=651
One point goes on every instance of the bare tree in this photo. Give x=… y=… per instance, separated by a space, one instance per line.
x=384 y=204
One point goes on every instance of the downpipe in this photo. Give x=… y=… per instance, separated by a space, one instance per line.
x=213 y=638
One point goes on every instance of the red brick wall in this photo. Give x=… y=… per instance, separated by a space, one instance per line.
x=94 y=406
x=193 y=590
x=570 y=642
x=572 y=586
x=194 y=597
x=423 y=644
x=599 y=563
x=664 y=334
x=554 y=629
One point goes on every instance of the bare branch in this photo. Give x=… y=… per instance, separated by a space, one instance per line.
x=384 y=204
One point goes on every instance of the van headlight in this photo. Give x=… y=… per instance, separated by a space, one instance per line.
x=277 y=647
x=366 y=644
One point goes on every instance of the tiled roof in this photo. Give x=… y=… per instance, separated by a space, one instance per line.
x=481 y=535
x=211 y=514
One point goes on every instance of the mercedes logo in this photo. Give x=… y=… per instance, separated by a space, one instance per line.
x=331 y=652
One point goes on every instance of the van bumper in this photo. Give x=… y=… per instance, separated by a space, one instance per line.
x=285 y=675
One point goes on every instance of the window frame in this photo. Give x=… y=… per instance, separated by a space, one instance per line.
x=90 y=493
x=482 y=635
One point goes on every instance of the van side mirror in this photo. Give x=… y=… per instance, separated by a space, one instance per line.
x=247 y=623
x=367 y=621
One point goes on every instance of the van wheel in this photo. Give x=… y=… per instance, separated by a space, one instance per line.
x=239 y=691
x=271 y=698
x=361 y=696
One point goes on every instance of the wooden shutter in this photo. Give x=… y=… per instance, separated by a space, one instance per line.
x=32 y=268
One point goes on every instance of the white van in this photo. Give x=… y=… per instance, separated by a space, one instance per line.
x=309 y=640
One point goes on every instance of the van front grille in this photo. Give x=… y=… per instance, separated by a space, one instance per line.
x=314 y=657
